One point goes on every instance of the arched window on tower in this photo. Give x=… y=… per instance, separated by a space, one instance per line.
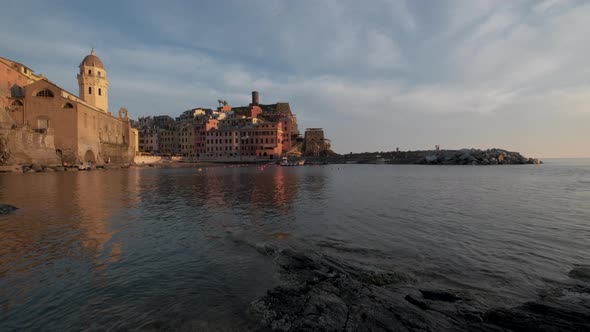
x=89 y=90
x=99 y=73
x=99 y=92
x=89 y=72
x=45 y=93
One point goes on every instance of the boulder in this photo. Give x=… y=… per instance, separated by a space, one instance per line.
x=36 y=167
x=430 y=159
x=6 y=209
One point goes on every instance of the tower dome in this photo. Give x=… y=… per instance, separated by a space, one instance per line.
x=93 y=82
x=92 y=60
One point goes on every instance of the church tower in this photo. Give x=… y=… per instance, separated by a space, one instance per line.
x=93 y=82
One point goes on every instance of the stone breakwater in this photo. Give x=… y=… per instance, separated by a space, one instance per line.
x=321 y=292
x=476 y=157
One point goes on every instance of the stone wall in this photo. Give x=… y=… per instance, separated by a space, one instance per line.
x=315 y=143
x=30 y=147
x=115 y=153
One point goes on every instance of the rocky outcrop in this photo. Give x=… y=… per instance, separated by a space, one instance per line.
x=6 y=209
x=476 y=157
x=321 y=292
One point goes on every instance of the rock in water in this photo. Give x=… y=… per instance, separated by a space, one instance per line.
x=6 y=209
x=581 y=272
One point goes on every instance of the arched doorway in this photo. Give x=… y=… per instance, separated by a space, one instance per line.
x=59 y=155
x=89 y=156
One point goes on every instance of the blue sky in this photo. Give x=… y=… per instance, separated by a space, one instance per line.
x=375 y=75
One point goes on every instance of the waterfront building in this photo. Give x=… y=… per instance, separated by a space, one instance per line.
x=246 y=133
x=82 y=128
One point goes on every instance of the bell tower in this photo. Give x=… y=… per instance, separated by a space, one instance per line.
x=93 y=82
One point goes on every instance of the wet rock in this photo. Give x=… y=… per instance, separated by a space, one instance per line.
x=48 y=170
x=321 y=292
x=72 y=169
x=535 y=316
x=385 y=278
x=36 y=167
x=436 y=295
x=6 y=209
x=418 y=303
x=59 y=168
x=430 y=159
x=581 y=272
x=266 y=249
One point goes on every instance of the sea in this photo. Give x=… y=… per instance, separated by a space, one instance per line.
x=154 y=248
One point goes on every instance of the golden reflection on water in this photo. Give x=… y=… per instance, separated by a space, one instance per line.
x=63 y=214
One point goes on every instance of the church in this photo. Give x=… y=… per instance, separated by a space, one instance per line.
x=81 y=126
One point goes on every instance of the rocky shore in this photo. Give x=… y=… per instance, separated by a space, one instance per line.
x=37 y=168
x=321 y=292
x=477 y=157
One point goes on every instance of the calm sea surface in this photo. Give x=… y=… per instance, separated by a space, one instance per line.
x=155 y=248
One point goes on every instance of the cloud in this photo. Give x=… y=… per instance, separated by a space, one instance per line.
x=414 y=67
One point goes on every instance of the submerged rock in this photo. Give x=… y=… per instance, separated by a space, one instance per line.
x=581 y=272
x=6 y=209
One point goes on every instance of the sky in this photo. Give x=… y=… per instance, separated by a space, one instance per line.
x=376 y=75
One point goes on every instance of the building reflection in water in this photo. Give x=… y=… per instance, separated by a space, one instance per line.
x=63 y=215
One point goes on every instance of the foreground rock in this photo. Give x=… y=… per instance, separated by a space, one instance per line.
x=325 y=293
x=476 y=157
x=6 y=209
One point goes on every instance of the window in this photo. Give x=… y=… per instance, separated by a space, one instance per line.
x=99 y=73
x=99 y=92
x=89 y=72
x=45 y=93
x=89 y=90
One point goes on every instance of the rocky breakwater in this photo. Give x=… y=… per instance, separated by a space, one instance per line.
x=476 y=157
x=37 y=168
x=323 y=292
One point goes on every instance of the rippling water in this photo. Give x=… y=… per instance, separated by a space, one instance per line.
x=156 y=248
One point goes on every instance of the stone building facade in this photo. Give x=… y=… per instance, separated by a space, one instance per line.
x=315 y=143
x=82 y=127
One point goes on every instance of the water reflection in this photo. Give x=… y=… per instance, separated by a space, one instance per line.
x=148 y=244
